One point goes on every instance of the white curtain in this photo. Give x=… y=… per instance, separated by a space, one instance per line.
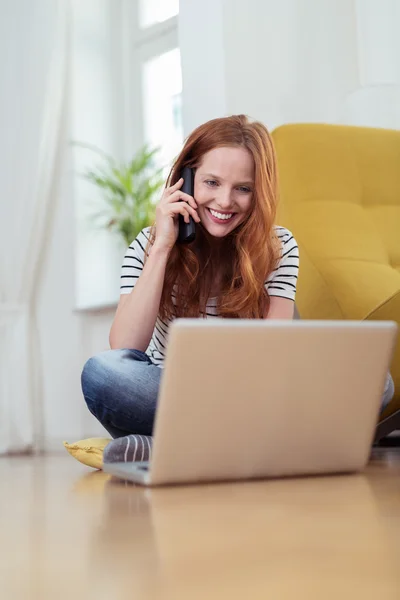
x=34 y=57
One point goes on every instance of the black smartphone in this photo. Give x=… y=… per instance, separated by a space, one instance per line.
x=187 y=231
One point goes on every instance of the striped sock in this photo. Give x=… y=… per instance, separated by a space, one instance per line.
x=130 y=448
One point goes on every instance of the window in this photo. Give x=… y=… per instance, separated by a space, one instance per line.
x=162 y=101
x=94 y=110
x=156 y=11
x=127 y=92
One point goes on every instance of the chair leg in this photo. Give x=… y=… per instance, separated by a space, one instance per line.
x=388 y=425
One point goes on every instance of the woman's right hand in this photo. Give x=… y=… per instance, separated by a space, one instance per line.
x=173 y=203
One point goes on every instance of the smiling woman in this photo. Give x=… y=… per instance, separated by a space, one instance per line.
x=240 y=265
x=235 y=257
x=224 y=197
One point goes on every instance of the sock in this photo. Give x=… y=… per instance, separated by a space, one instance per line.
x=130 y=448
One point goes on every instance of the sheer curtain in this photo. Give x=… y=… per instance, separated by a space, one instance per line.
x=34 y=56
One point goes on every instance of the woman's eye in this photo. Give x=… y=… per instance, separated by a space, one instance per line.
x=244 y=189
x=211 y=182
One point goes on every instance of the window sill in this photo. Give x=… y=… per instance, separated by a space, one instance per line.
x=96 y=309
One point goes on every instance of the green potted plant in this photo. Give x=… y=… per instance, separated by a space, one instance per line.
x=130 y=191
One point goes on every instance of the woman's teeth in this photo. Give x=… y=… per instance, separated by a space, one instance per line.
x=222 y=216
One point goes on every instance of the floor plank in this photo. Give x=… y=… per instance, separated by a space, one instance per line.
x=67 y=530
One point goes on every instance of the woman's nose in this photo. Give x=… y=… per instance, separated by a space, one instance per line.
x=224 y=199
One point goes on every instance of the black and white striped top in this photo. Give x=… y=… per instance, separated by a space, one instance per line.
x=281 y=282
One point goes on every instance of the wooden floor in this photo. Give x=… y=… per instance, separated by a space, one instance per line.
x=69 y=532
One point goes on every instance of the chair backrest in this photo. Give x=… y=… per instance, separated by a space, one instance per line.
x=340 y=195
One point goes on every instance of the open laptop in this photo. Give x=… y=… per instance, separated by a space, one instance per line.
x=244 y=399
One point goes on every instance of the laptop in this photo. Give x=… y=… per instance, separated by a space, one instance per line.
x=253 y=399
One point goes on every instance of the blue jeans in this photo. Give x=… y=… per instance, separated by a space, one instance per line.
x=121 y=389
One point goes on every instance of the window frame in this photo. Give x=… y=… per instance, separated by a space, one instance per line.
x=132 y=47
x=139 y=46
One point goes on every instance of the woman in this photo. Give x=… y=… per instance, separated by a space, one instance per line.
x=240 y=265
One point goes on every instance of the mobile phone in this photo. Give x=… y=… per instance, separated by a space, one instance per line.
x=187 y=231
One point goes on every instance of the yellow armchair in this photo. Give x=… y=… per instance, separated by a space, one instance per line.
x=340 y=195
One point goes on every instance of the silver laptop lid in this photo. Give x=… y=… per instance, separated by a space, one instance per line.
x=242 y=398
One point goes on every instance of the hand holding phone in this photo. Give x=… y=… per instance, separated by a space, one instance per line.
x=176 y=205
x=187 y=231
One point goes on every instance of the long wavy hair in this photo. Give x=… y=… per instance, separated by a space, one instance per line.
x=249 y=253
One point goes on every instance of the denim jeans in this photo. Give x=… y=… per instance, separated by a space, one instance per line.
x=121 y=389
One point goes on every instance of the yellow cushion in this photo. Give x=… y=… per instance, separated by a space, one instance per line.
x=89 y=452
x=340 y=195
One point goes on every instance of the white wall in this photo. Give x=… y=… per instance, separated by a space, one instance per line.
x=202 y=41
x=61 y=330
x=291 y=61
x=376 y=100
x=67 y=337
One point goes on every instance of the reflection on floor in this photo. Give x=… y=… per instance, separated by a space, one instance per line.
x=68 y=532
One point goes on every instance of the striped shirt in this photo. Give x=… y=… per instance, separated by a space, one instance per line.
x=281 y=283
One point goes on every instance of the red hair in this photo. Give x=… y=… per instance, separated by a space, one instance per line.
x=251 y=250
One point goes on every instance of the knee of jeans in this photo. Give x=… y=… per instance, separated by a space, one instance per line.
x=97 y=376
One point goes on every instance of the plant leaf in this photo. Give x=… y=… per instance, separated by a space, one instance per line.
x=129 y=190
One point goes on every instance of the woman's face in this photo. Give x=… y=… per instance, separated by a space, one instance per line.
x=223 y=189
